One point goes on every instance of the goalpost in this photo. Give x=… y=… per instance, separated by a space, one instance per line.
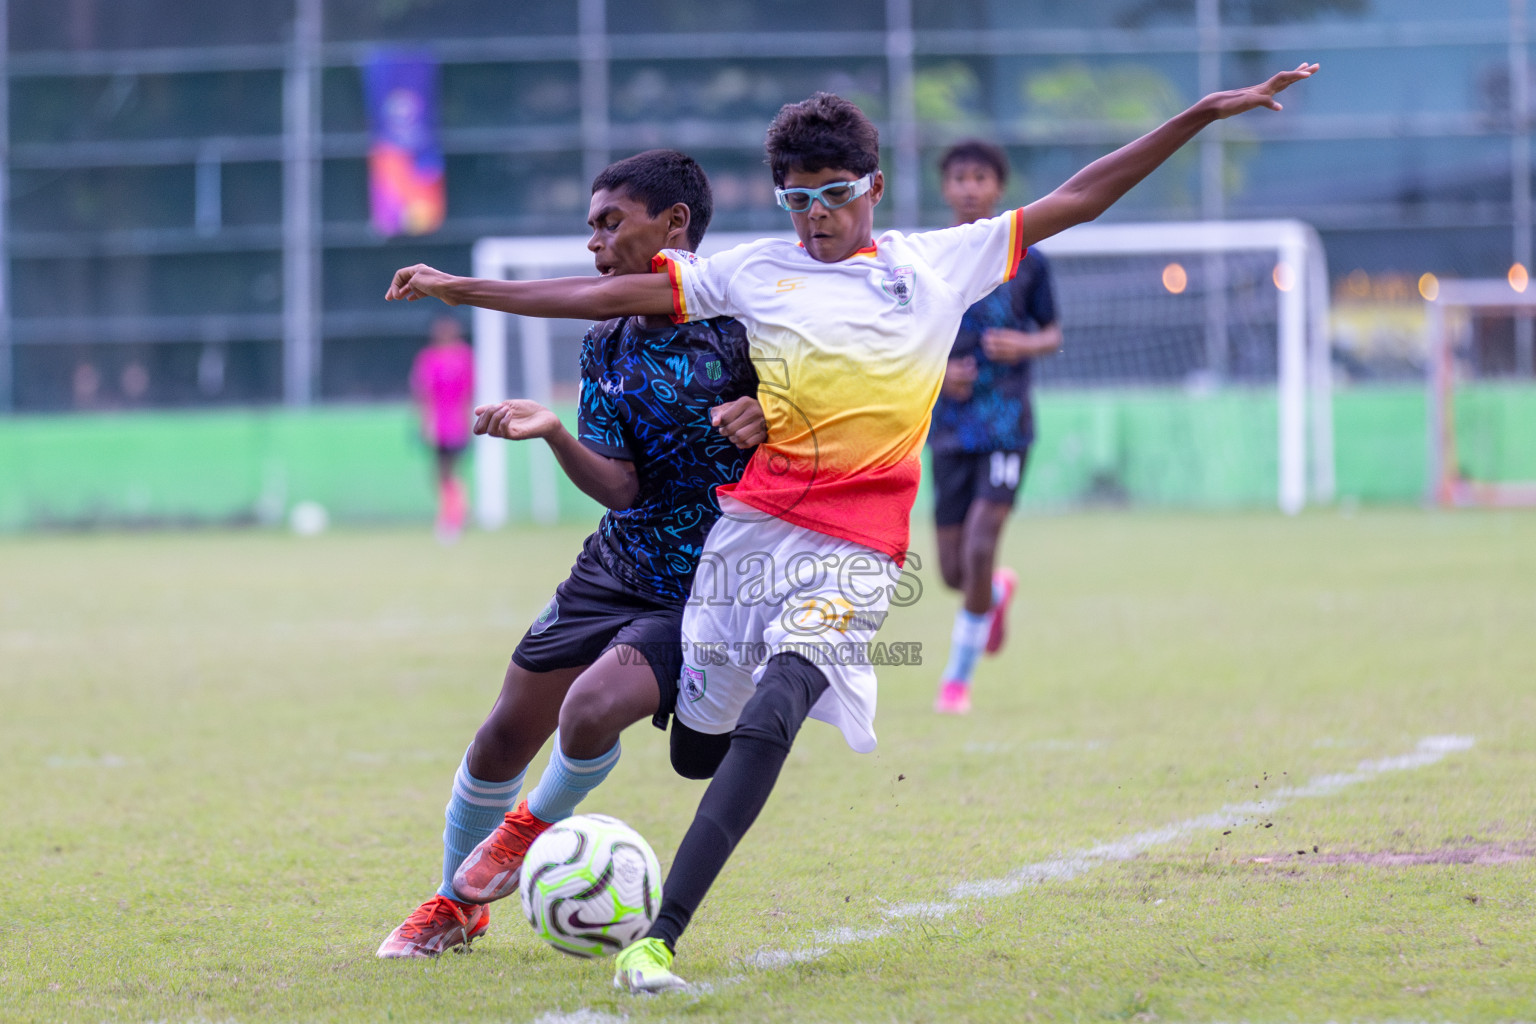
x=529 y=258
x=1177 y=307
x=1202 y=308
x=1482 y=401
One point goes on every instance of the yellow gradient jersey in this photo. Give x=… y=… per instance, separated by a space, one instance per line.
x=850 y=357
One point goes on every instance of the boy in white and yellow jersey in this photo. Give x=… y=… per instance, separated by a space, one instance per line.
x=850 y=335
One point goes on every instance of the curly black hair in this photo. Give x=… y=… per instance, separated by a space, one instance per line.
x=821 y=132
x=975 y=151
x=661 y=178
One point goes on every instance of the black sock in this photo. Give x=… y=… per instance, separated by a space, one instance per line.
x=759 y=745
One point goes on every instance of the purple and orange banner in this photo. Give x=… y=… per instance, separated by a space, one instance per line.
x=407 y=191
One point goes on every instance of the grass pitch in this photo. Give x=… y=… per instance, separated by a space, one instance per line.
x=225 y=757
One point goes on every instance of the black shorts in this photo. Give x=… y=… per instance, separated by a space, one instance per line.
x=591 y=612
x=960 y=478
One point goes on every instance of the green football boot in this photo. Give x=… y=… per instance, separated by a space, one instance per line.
x=645 y=967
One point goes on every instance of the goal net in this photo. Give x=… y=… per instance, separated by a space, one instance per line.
x=1195 y=366
x=1481 y=374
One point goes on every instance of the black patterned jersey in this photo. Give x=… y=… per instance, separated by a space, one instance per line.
x=999 y=415
x=646 y=393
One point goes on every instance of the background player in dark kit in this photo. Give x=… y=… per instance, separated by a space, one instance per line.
x=983 y=424
x=667 y=413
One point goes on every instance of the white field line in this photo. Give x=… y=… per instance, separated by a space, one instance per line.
x=1068 y=865
x=1074 y=863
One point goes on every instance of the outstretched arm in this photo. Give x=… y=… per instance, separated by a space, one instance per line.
x=613 y=482
x=576 y=298
x=1100 y=185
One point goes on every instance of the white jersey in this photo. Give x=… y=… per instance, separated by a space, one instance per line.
x=850 y=357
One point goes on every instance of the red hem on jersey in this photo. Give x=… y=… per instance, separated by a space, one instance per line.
x=661 y=264
x=1016 y=248
x=880 y=501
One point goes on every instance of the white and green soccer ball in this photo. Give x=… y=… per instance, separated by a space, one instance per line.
x=590 y=885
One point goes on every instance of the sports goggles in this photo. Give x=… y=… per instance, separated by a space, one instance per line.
x=839 y=193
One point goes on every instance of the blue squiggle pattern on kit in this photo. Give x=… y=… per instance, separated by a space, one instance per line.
x=646 y=393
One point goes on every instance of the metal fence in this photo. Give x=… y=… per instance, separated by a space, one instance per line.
x=186 y=223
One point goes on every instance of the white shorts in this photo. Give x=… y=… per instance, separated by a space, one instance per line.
x=764 y=587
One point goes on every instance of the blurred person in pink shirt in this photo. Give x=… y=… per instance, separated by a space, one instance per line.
x=443 y=383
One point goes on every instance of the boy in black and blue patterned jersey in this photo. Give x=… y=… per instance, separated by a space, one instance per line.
x=648 y=387
x=667 y=413
x=983 y=424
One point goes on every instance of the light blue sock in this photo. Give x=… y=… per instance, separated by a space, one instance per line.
x=965 y=643
x=473 y=812
x=566 y=781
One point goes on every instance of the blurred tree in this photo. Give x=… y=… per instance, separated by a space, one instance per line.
x=1136 y=98
x=1132 y=98
x=1127 y=95
x=949 y=93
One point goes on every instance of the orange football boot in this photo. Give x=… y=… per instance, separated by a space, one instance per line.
x=436 y=925
x=491 y=870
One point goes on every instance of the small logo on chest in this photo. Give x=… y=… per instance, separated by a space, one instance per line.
x=709 y=372
x=900 y=284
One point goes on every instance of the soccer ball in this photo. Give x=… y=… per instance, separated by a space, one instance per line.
x=590 y=885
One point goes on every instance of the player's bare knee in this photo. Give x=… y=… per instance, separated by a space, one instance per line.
x=495 y=739
x=589 y=723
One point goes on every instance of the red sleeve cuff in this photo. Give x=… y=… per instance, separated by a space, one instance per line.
x=1016 y=248
x=662 y=264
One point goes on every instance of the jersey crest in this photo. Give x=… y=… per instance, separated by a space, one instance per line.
x=900 y=284
x=693 y=683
